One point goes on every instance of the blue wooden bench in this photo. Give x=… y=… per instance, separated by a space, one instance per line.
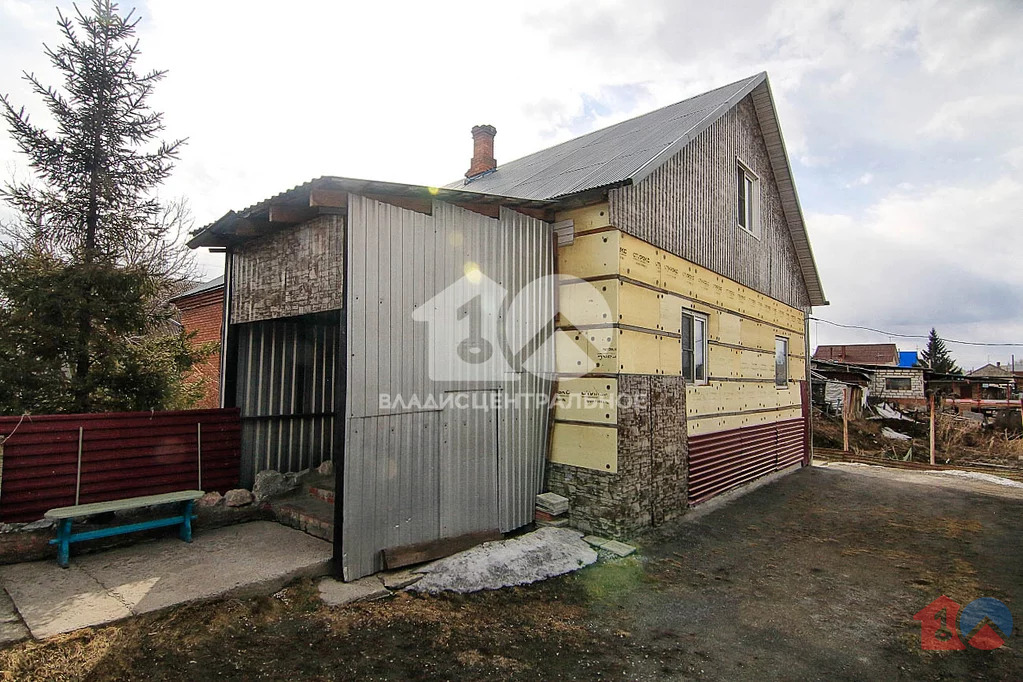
x=183 y=500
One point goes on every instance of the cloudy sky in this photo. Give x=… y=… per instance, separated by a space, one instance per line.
x=903 y=119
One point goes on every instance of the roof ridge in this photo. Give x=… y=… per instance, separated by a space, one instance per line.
x=623 y=122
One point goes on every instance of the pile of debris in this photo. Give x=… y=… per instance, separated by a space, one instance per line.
x=551 y=509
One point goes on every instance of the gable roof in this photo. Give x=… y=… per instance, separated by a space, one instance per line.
x=860 y=354
x=991 y=371
x=622 y=153
x=627 y=152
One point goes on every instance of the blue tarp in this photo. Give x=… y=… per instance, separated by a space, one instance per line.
x=907 y=358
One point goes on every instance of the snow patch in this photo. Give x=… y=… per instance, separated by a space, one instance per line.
x=893 y=434
x=539 y=555
x=977 y=476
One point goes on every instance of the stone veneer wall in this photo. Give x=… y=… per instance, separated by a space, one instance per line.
x=649 y=487
x=295 y=271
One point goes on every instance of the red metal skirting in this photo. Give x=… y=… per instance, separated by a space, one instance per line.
x=724 y=460
x=123 y=455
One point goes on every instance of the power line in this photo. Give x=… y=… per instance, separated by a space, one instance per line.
x=915 y=336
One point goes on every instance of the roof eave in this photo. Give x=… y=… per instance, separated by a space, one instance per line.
x=218 y=233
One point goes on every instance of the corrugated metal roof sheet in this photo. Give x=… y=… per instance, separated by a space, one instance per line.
x=627 y=152
x=860 y=354
x=612 y=155
x=200 y=288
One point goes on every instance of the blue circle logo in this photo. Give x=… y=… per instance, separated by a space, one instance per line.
x=985 y=623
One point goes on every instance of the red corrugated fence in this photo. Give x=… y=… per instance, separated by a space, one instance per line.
x=721 y=461
x=123 y=455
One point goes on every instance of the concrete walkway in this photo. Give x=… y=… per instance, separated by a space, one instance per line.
x=242 y=560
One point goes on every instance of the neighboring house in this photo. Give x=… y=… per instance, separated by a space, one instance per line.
x=890 y=379
x=679 y=357
x=833 y=382
x=991 y=382
x=871 y=354
x=202 y=312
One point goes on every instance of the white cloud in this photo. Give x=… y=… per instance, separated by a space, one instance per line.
x=913 y=104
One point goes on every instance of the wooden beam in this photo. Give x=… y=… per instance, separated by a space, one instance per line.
x=291 y=215
x=489 y=210
x=546 y=215
x=245 y=228
x=333 y=198
x=396 y=557
x=408 y=203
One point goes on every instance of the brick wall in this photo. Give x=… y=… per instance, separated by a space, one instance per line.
x=203 y=313
x=289 y=273
x=916 y=377
x=649 y=487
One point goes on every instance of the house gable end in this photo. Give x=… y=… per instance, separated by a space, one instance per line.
x=687 y=207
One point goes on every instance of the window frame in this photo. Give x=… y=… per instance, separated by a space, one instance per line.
x=751 y=202
x=785 y=382
x=703 y=320
x=887 y=387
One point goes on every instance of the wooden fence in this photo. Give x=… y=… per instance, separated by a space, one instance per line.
x=49 y=461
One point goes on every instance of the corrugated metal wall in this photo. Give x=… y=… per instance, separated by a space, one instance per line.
x=721 y=461
x=687 y=207
x=286 y=391
x=425 y=471
x=125 y=454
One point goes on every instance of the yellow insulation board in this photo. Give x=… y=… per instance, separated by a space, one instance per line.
x=587 y=400
x=586 y=446
x=698 y=427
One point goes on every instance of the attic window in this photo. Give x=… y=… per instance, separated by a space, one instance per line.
x=747 y=205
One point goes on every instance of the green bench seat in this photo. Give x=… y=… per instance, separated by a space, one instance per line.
x=183 y=499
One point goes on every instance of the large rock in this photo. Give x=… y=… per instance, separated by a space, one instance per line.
x=210 y=499
x=272 y=483
x=239 y=497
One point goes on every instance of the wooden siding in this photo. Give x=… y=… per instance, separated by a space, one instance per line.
x=687 y=207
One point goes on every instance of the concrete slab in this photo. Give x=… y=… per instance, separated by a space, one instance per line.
x=11 y=628
x=595 y=540
x=619 y=548
x=241 y=560
x=396 y=580
x=336 y=593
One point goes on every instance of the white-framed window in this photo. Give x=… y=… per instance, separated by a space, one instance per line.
x=747 y=199
x=694 y=347
x=781 y=361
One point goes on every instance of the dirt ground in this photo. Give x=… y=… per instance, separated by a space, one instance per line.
x=815 y=576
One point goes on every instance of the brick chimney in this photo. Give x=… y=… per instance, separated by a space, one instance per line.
x=482 y=150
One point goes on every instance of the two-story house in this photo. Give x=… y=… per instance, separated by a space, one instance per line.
x=621 y=318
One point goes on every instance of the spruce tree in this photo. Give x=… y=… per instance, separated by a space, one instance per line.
x=81 y=325
x=937 y=357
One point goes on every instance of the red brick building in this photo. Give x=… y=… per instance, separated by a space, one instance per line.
x=202 y=311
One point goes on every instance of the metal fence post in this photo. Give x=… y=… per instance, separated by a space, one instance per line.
x=78 y=480
x=198 y=446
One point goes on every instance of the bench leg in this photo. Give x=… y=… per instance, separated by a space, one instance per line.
x=186 y=524
x=63 y=542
